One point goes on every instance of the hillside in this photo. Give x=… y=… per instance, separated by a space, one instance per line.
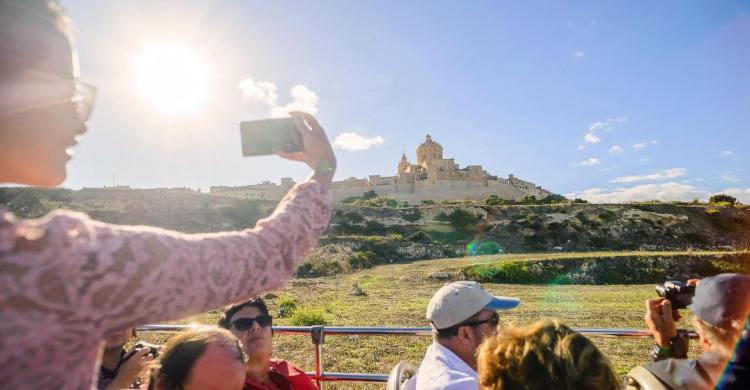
x=381 y=231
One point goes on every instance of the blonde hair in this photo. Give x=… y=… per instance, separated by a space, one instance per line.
x=544 y=355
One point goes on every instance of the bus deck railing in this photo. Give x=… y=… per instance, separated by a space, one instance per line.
x=319 y=332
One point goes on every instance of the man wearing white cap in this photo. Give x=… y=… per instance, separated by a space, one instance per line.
x=462 y=315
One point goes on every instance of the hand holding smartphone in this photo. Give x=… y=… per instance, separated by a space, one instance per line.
x=270 y=136
x=299 y=138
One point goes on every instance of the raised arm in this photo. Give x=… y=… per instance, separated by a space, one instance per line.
x=105 y=277
x=112 y=276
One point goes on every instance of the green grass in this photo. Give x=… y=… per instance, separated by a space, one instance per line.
x=397 y=295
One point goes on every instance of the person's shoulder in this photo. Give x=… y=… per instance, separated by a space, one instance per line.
x=447 y=381
x=298 y=378
x=678 y=373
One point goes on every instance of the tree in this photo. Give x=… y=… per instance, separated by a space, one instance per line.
x=723 y=200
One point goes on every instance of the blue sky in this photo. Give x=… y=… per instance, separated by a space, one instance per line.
x=611 y=101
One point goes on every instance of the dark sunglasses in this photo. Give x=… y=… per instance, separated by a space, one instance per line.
x=242 y=324
x=494 y=320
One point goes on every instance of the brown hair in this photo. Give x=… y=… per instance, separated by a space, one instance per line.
x=28 y=28
x=544 y=355
x=226 y=320
x=182 y=351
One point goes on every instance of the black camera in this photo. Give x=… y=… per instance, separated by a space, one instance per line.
x=154 y=349
x=680 y=294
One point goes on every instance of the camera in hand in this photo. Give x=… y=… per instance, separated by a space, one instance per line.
x=680 y=294
x=154 y=349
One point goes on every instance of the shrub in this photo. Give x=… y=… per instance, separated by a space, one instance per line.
x=304 y=316
x=411 y=215
x=286 y=307
x=554 y=198
x=607 y=216
x=723 y=200
x=369 y=195
x=486 y=248
x=420 y=236
x=362 y=260
x=512 y=228
x=374 y=228
x=494 y=200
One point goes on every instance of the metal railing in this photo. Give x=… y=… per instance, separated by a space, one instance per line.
x=318 y=333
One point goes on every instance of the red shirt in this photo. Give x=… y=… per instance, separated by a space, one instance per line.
x=283 y=376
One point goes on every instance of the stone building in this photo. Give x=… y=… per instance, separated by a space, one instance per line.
x=432 y=177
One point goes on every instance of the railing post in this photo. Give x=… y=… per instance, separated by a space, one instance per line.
x=318 y=334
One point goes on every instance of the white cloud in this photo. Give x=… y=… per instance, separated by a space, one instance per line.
x=729 y=179
x=644 y=192
x=304 y=99
x=590 y=138
x=590 y=162
x=644 y=160
x=578 y=54
x=656 y=176
x=727 y=152
x=615 y=150
x=263 y=91
x=742 y=194
x=356 y=142
x=596 y=126
x=643 y=145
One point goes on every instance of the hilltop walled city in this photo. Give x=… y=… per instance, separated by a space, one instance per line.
x=431 y=178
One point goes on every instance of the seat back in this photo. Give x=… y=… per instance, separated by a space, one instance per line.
x=401 y=373
x=640 y=378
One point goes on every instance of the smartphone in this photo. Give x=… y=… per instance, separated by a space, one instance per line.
x=269 y=136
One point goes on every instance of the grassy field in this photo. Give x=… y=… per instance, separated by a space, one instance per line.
x=397 y=295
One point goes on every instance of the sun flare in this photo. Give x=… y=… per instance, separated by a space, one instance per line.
x=172 y=78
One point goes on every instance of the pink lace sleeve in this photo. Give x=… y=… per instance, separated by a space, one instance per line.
x=116 y=276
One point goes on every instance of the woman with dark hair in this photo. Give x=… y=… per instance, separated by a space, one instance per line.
x=201 y=359
x=67 y=280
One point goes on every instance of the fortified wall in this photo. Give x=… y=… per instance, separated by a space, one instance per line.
x=432 y=177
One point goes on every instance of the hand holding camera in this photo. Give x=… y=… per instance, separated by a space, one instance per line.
x=662 y=313
x=135 y=362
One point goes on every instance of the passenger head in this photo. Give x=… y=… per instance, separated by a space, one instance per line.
x=41 y=105
x=545 y=355
x=201 y=359
x=116 y=339
x=720 y=310
x=250 y=322
x=463 y=315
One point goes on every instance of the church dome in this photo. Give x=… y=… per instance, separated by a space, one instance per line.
x=429 y=150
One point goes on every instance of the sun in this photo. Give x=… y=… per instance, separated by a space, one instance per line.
x=173 y=79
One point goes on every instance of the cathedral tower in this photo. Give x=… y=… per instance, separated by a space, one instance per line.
x=428 y=151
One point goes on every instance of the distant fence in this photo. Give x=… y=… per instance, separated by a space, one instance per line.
x=318 y=333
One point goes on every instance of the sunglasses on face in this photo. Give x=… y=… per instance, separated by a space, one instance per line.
x=242 y=324
x=494 y=320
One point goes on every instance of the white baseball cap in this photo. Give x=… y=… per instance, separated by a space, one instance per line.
x=456 y=302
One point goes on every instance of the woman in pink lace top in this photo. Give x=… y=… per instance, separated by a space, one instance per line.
x=66 y=280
